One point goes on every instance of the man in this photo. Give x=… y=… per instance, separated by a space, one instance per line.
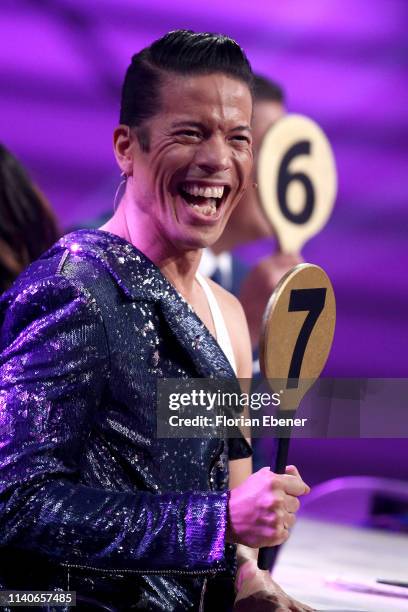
x=91 y=500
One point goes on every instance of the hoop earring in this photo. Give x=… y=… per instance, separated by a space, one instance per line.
x=123 y=180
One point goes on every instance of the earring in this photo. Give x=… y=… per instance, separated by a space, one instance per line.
x=123 y=177
x=254 y=185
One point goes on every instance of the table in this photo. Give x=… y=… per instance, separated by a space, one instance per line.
x=317 y=550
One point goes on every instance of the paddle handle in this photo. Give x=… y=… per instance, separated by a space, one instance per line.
x=267 y=556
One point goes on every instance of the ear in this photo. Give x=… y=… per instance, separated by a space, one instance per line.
x=123 y=145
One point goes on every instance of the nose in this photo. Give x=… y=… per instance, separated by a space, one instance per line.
x=213 y=155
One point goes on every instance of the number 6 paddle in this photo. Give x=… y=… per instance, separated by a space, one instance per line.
x=297 y=180
x=297 y=335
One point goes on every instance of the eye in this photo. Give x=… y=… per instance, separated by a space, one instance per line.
x=191 y=134
x=241 y=138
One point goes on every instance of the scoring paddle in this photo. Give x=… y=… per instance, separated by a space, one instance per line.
x=297 y=180
x=297 y=335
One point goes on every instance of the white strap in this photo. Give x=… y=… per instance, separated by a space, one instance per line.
x=221 y=330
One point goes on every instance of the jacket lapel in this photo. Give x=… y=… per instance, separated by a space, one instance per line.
x=140 y=279
x=195 y=338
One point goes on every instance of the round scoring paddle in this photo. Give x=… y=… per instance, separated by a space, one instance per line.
x=297 y=335
x=297 y=180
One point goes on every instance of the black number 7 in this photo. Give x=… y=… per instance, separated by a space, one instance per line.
x=312 y=300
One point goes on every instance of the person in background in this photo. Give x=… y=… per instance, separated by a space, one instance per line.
x=27 y=224
x=248 y=223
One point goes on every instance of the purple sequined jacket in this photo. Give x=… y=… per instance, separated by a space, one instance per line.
x=90 y=499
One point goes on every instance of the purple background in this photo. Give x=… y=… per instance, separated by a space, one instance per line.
x=344 y=63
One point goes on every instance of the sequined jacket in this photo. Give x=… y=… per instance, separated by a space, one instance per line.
x=90 y=499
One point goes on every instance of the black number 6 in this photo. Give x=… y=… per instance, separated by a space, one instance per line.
x=285 y=177
x=312 y=300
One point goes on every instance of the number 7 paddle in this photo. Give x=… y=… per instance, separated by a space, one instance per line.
x=297 y=335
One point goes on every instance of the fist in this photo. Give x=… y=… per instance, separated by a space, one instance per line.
x=262 y=509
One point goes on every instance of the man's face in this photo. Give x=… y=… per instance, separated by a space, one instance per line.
x=199 y=160
x=248 y=220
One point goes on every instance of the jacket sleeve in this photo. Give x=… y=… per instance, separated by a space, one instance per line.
x=54 y=362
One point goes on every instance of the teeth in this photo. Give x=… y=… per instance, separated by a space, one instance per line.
x=205 y=192
x=206 y=209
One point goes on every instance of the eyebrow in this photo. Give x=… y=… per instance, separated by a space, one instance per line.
x=246 y=128
x=203 y=127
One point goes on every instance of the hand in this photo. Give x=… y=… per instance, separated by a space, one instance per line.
x=262 y=509
x=257 y=592
x=258 y=285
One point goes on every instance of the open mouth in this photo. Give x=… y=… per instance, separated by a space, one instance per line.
x=206 y=199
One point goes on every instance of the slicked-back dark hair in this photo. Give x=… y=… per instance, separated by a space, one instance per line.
x=180 y=52
x=266 y=89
